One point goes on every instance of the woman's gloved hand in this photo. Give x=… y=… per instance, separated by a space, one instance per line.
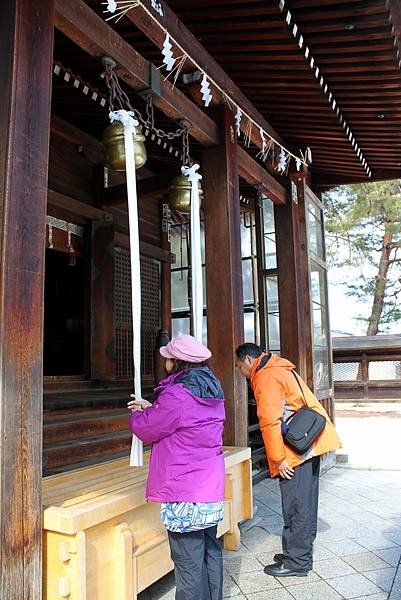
x=137 y=405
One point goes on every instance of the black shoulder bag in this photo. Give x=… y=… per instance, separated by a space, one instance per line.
x=302 y=428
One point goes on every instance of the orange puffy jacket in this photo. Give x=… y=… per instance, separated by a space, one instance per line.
x=276 y=389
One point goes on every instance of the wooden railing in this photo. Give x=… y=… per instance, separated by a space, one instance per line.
x=367 y=369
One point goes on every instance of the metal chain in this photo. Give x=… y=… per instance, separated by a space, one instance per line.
x=119 y=98
x=186 y=159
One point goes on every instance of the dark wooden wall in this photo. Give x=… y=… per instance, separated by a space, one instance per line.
x=75 y=172
x=70 y=171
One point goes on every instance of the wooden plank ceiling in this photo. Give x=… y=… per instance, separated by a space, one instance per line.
x=354 y=46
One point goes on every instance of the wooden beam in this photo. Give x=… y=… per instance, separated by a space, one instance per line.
x=249 y=169
x=78 y=22
x=256 y=175
x=224 y=298
x=157 y=185
x=26 y=48
x=81 y=24
x=150 y=187
x=190 y=44
x=76 y=206
x=92 y=148
x=162 y=254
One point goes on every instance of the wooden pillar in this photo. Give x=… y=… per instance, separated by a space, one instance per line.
x=294 y=287
x=225 y=320
x=165 y=273
x=26 y=47
x=365 y=376
x=103 y=363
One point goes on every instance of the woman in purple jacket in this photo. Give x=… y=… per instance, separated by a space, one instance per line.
x=186 y=469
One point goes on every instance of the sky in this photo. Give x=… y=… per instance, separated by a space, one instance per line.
x=343 y=309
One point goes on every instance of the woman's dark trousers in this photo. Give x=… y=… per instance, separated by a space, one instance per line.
x=198 y=564
x=299 y=499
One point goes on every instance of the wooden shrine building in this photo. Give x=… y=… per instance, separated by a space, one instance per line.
x=305 y=95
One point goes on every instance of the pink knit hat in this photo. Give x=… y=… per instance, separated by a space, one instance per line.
x=186 y=348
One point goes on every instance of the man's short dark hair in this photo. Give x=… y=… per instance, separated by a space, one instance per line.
x=248 y=349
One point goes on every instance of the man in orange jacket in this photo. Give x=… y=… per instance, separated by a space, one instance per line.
x=278 y=394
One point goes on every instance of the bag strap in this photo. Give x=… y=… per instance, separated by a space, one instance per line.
x=302 y=392
x=300 y=387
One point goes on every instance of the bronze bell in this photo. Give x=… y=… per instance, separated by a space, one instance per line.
x=179 y=195
x=113 y=139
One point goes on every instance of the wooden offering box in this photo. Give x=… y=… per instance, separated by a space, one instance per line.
x=104 y=541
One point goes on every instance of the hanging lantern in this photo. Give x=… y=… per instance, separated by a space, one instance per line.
x=72 y=259
x=179 y=195
x=113 y=138
x=71 y=254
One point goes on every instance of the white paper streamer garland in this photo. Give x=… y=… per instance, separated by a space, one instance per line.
x=168 y=58
x=111 y=6
x=205 y=89
x=125 y=5
x=127 y=119
x=264 y=144
x=282 y=163
x=238 y=117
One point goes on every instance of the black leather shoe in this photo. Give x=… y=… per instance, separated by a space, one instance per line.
x=278 y=558
x=280 y=570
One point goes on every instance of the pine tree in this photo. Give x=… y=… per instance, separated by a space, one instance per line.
x=365 y=220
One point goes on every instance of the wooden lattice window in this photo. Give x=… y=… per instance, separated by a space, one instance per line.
x=150 y=294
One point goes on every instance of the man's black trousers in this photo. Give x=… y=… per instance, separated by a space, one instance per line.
x=198 y=564
x=299 y=498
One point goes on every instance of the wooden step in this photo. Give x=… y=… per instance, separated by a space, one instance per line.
x=74 y=383
x=86 y=399
x=75 y=450
x=90 y=398
x=84 y=427
x=60 y=426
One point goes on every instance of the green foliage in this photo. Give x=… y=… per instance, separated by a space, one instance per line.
x=356 y=217
x=360 y=220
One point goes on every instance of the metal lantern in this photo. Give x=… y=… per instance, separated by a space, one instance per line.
x=113 y=138
x=72 y=259
x=179 y=195
x=71 y=254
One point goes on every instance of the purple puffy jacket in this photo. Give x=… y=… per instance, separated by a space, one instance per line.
x=185 y=426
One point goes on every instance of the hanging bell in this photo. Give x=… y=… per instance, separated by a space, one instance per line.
x=71 y=256
x=179 y=195
x=113 y=139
